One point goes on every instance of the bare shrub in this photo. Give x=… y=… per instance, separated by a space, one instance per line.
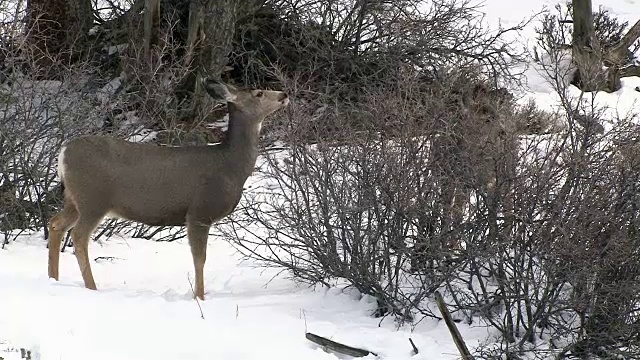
x=566 y=269
x=367 y=207
x=446 y=183
x=563 y=264
x=344 y=210
x=35 y=118
x=544 y=247
x=341 y=47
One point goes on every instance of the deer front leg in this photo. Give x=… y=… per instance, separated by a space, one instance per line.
x=198 y=234
x=58 y=227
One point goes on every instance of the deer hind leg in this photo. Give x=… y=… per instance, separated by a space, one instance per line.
x=460 y=201
x=81 y=234
x=59 y=224
x=198 y=235
x=454 y=199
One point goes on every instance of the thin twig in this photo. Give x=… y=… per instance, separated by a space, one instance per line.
x=195 y=297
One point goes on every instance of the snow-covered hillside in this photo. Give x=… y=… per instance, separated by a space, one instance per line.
x=144 y=309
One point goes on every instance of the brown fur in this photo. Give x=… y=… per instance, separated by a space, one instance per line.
x=173 y=186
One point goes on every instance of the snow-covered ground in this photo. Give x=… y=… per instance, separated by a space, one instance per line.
x=144 y=308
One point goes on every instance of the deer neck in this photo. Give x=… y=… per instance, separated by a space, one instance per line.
x=242 y=137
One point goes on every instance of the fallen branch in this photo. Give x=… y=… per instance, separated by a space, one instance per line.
x=618 y=54
x=413 y=345
x=106 y=258
x=453 y=329
x=337 y=347
x=630 y=70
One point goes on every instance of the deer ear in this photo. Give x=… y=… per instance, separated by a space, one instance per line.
x=219 y=90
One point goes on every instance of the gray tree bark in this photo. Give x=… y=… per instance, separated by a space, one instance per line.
x=212 y=25
x=587 y=53
x=211 y=29
x=57 y=29
x=590 y=58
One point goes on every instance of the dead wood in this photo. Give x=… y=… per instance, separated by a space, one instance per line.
x=618 y=54
x=415 y=348
x=589 y=56
x=453 y=329
x=337 y=347
x=631 y=70
x=151 y=24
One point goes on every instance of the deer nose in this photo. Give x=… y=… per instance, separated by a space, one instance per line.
x=284 y=99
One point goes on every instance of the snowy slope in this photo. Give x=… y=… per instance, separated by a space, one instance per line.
x=144 y=309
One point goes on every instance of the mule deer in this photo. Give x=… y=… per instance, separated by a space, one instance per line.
x=157 y=185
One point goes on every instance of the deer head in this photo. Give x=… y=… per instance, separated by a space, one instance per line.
x=254 y=103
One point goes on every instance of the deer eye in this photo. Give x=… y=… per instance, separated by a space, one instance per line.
x=259 y=94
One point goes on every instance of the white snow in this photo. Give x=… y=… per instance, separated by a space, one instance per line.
x=144 y=309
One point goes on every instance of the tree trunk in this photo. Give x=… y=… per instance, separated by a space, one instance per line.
x=151 y=24
x=586 y=49
x=589 y=58
x=191 y=39
x=583 y=30
x=218 y=29
x=212 y=26
x=211 y=30
x=56 y=29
